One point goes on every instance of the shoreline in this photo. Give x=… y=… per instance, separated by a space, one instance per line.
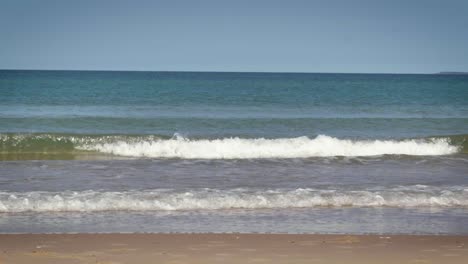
x=231 y=248
x=371 y=234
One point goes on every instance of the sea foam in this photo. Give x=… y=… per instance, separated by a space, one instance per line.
x=300 y=147
x=215 y=199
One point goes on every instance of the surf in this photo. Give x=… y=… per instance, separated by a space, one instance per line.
x=300 y=147
x=241 y=198
x=160 y=146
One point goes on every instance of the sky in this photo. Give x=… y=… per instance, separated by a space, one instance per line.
x=366 y=36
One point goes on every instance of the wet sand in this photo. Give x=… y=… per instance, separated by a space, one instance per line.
x=231 y=248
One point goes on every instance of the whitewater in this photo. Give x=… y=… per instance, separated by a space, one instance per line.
x=300 y=147
x=241 y=198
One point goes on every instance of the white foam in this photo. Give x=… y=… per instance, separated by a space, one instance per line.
x=300 y=147
x=212 y=199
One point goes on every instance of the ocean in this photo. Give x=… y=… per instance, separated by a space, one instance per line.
x=109 y=151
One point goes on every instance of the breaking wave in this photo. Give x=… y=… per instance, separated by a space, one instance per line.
x=301 y=147
x=214 y=199
x=154 y=146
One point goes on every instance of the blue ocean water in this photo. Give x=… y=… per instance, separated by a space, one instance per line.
x=233 y=104
x=81 y=149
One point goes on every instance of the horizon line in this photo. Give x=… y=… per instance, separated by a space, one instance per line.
x=216 y=71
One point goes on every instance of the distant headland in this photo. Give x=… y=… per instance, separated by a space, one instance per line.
x=453 y=73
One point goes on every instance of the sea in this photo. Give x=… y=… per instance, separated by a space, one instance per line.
x=226 y=152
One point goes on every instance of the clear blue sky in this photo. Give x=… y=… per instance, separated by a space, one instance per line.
x=401 y=36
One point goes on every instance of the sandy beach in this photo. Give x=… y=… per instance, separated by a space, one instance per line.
x=231 y=248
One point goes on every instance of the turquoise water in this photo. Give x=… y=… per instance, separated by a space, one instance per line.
x=84 y=151
x=233 y=104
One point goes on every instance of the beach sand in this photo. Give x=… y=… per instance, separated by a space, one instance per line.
x=231 y=248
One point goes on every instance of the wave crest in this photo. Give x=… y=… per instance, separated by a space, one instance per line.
x=159 y=146
x=301 y=147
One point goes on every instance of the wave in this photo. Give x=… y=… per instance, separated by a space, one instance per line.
x=301 y=147
x=155 y=146
x=11 y=143
x=214 y=199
